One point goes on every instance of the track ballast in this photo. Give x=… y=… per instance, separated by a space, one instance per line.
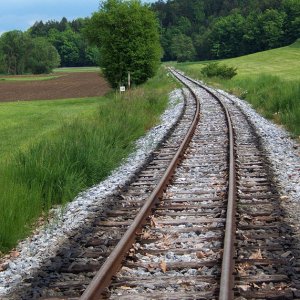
x=178 y=250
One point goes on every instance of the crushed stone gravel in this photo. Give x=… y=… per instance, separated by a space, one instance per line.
x=283 y=153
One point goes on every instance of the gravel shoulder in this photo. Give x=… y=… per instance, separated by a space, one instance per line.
x=282 y=151
x=284 y=156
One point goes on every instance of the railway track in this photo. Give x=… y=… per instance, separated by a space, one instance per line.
x=213 y=229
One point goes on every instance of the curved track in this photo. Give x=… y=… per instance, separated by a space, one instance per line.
x=266 y=256
x=201 y=221
x=182 y=243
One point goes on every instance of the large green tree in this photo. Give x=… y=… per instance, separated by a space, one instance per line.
x=43 y=57
x=66 y=43
x=226 y=36
x=292 y=21
x=66 y=36
x=272 y=22
x=14 y=48
x=127 y=34
x=182 y=48
x=20 y=53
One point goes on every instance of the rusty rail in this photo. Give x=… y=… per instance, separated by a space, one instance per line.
x=227 y=277
x=103 y=277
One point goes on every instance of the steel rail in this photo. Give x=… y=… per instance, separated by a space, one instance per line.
x=113 y=263
x=227 y=277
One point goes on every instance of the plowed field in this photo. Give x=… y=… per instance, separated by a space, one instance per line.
x=68 y=85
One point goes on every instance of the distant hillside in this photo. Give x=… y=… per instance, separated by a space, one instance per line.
x=216 y=29
x=283 y=62
x=269 y=80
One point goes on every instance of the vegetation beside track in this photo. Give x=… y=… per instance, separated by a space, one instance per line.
x=24 y=122
x=269 y=80
x=72 y=155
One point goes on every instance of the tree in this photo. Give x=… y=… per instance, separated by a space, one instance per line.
x=202 y=45
x=292 y=21
x=272 y=22
x=67 y=45
x=127 y=35
x=43 y=57
x=66 y=36
x=166 y=42
x=184 y=25
x=252 y=33
x=14 y=46
x=226 y=36
x=226 y=28
x=183 y=48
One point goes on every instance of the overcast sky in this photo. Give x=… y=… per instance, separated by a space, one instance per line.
x=21 y=14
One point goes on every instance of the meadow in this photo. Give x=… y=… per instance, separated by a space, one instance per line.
x=269 y=80
x=77 y=69
x=27 y=78
x=65 y=146
x=25 y=122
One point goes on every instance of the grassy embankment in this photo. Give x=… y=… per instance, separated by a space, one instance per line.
x=269 y=80
x=55 y=149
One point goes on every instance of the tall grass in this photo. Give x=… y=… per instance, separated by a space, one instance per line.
x=269 y=80
x=23 y=122
x=79 y=154
x=273 y=97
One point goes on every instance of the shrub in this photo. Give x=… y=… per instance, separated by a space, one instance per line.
x=217 y=70
x=43 y=57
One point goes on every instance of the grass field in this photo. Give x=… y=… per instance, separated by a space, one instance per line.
x=77 y=69
x=22 y=123
x=27 y=78
x=269 y=80
x=66 y=146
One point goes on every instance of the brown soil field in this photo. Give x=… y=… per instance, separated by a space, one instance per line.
x=69 y=85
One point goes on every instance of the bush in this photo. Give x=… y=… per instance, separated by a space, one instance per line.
x=217 y=70
x=43 y=57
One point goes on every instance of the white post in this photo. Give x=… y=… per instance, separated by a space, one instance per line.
x=129 y=80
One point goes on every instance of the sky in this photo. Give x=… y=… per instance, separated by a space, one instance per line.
x=22 y=14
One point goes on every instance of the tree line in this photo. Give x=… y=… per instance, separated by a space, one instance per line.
x=215 y=29
x=45 y=46
x=189 y=30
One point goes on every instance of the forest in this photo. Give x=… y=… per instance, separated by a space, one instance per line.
x=45 y=46
x=216 y=29
x=189 y=29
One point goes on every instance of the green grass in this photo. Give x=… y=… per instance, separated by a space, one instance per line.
x=269 y=80
x=29 y=78
x=73 y=155
x=24 y=122
x=77 y=69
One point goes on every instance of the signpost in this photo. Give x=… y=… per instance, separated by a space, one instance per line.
x=128 y=80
